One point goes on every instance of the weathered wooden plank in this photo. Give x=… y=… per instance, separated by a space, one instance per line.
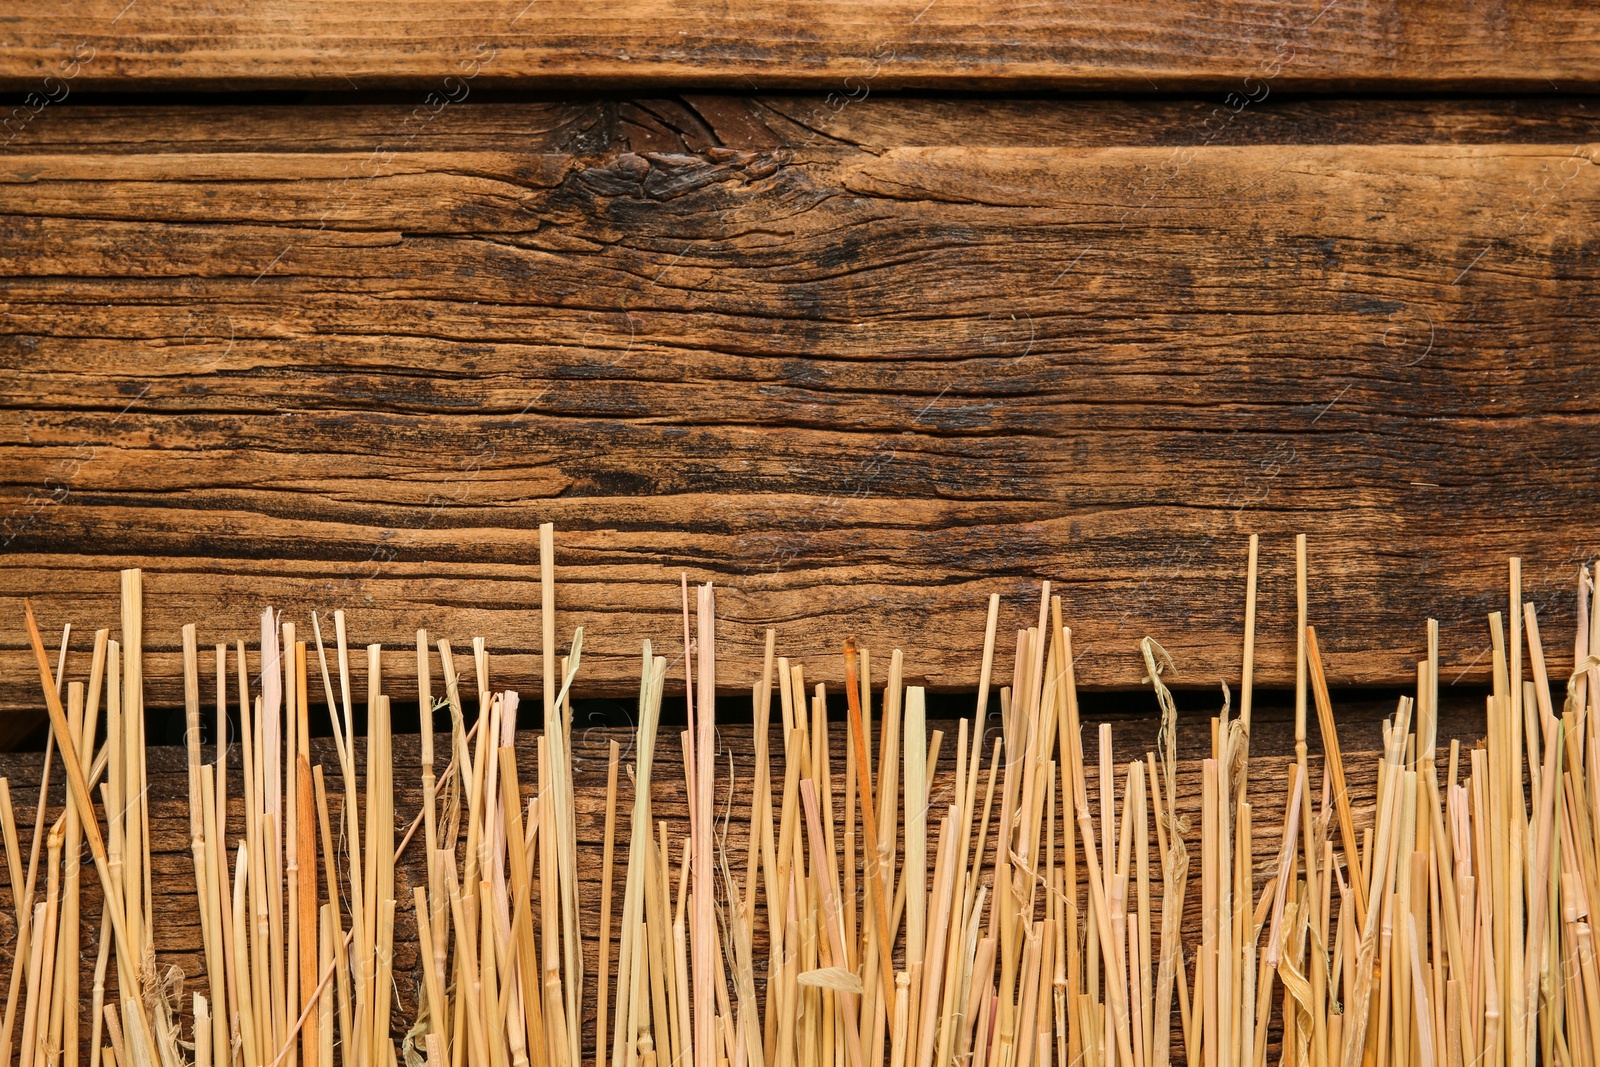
x=177 y=936
x=229 y=124
x=696 y=122
x=700 y=122
x=860 y=389
x=1142 y=46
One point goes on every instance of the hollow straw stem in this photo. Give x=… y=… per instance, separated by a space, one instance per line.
x=876 y=876
x=704 y=926
x=1333 y=766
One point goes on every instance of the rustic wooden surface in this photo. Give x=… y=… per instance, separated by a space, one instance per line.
x=177 y=936
x=1140 y=46
x=698 y=122
x=861 y=365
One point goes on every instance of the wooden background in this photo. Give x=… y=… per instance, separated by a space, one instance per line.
x=862 y=310
x=860 y=355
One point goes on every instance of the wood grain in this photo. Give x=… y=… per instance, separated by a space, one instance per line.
x=177 y=936
x=1142 y=46
x=699 y=122
x=859 y=387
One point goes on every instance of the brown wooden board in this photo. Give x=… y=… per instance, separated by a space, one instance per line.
x=860 y=387
x=698 y=122
x=1142 y=46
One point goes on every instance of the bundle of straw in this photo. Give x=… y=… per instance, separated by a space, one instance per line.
x=1008 y=922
